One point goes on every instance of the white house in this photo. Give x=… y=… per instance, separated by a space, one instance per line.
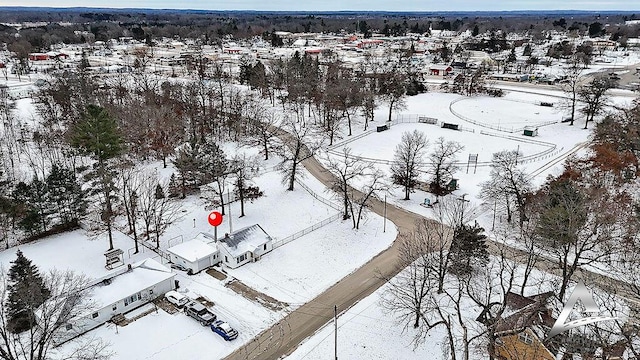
x=243 y=246
x=119 y=292
x=196 y=254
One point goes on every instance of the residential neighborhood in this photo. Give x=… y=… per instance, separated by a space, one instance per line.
x=331 y=183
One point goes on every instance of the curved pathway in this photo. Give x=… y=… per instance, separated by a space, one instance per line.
x=285 y=336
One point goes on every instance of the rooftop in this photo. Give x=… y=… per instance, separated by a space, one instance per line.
x=245 y=240
x=195 y=249
x=142 y=275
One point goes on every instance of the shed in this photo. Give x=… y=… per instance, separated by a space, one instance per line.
x=245 y=245
x=530 y=131
x=452 y=185
x=196 y=254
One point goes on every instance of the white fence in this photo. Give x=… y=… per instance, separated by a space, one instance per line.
x=318 y=197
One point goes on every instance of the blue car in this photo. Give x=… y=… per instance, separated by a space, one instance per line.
x=223 y=329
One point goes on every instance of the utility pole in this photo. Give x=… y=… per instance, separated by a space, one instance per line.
x=384 y=221
x=335 y=323
x=229 y=202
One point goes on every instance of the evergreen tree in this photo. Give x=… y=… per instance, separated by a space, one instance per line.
x=512 y=56
x=31 y=208
x=26 y=292
x=159 y=193
x=66 y=195
x=98 y=135
x=174 y=188
x=187 y=163
x=468 y=244
x=475 y=31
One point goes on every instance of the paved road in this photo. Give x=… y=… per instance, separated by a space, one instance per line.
x=284 y=337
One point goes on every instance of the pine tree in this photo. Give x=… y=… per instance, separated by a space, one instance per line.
x=159 y=192
x=174 y=188
x=65 y=194
x=468 y=244
x=27 y=292
x=98 y=135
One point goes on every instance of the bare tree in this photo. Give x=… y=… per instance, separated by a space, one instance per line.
x=409 y=292
x=245 y=169
x=594 y=95
x=392 y=88
x=372 y=187
x=68 y=302
x=346 y=169
x=262 y=129
x=488 y=289
x=408 y=160
x=442 y=164
x=130 y=187
x=297 y=146
x=156 y=210
x=449 y=213
x=571 y=85
x=508 y=184
x=577 y=226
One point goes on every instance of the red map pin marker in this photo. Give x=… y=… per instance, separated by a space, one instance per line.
x=215 y=218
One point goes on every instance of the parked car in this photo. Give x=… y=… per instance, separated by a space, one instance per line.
x=199 y=312
x=176 y=298
x=224 y=329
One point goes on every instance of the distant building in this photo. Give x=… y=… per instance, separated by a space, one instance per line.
x=441 y=70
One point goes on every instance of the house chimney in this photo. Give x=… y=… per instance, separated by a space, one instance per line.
x=129 y=268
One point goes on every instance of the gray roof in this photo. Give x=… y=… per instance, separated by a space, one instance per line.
x=245 y=240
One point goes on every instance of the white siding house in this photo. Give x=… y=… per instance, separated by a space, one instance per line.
x=196 y=254
x=243 y=246
x=119 y=292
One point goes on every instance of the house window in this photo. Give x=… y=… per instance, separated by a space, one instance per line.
x=264 y=247
x=68 y=327
x=525 y=337
x=114 y=307
x=242 y=257
x=226 y=259
x=139 y=296
x=126 y=301
x=94 y=315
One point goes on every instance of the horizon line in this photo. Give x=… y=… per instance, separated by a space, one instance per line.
x=321 y=11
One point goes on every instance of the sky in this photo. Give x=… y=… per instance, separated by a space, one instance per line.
x=336 y=5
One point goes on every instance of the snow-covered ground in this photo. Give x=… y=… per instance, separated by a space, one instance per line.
x=297 y=272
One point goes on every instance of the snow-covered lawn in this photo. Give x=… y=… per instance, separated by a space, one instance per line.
x=297 y=272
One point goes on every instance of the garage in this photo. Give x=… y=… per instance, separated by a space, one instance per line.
x=196 y=254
